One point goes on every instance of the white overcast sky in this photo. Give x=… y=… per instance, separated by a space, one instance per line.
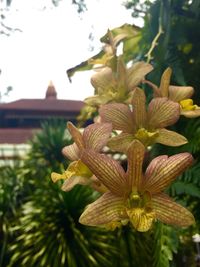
x=53 y=40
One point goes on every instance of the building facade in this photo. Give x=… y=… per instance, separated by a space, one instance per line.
x=19 y=120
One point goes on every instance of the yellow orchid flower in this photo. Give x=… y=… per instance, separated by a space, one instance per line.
x=148 y=126
x=95 y=137
x=179 y=94
x=134 y=196
x=112 y=87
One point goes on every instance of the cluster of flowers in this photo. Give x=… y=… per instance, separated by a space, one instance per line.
x=127 y=125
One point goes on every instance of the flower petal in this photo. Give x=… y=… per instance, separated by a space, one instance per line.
x=96 y=135
x=139 y=109
x=141 y=219
x=162 y=112
x=135 y=156
x=108 y=208
x=121 y=142
x=170 y=212
x=167 y=171
x=170 y=138
x=137 y=72
x=191 y=113
x=57 y=176
x=75 y=168
x=102 y=79
x=71 y=152
x=165 y=81
x=155 y=165
x=97 y=185
x=98 y=100
x=74 y=180
x=119 y=115
x=76 y=135
x=178 y=93
x=107 y=170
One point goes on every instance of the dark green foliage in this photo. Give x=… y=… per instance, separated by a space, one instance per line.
x=48 y=232
x=44 y=230
x=43 y=227
x=46 y=146
x=11 y=195
x=154 y=248
x=179 y=51
x=192 y=132
x=177 y=47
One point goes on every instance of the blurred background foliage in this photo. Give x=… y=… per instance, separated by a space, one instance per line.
x=39 y=223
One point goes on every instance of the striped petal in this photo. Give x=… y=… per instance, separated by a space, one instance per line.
x=121 y=142
x=119 y=115
x=136 y=73
x=108 y=208
x=102 y=79
x=96 y=135
x=107 y=170
x=76 y=135
x=191 y=113
x=71 y=152
x=170 y=138
x=74 y=180
x=165 y=81
x=97 y=100
x=155 y=166
x=170 y=212
x=178 y=93
x=135 y=156
x=167 y=171
x=139 y=109
x=162 y=112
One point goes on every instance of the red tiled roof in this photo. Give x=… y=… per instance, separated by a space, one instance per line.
x=15 y=136
x=44 y=105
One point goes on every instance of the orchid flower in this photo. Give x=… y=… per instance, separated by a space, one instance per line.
x=135 y=122
x=117 y=87
x=94 y=137
x=179 y=94
x=134 y=196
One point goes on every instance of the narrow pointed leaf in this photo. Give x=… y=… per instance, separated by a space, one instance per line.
x=170 y=212
x=108 y=208
x=162 y=112
x=107 y=170
x=170 y=138
x=119 y=115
